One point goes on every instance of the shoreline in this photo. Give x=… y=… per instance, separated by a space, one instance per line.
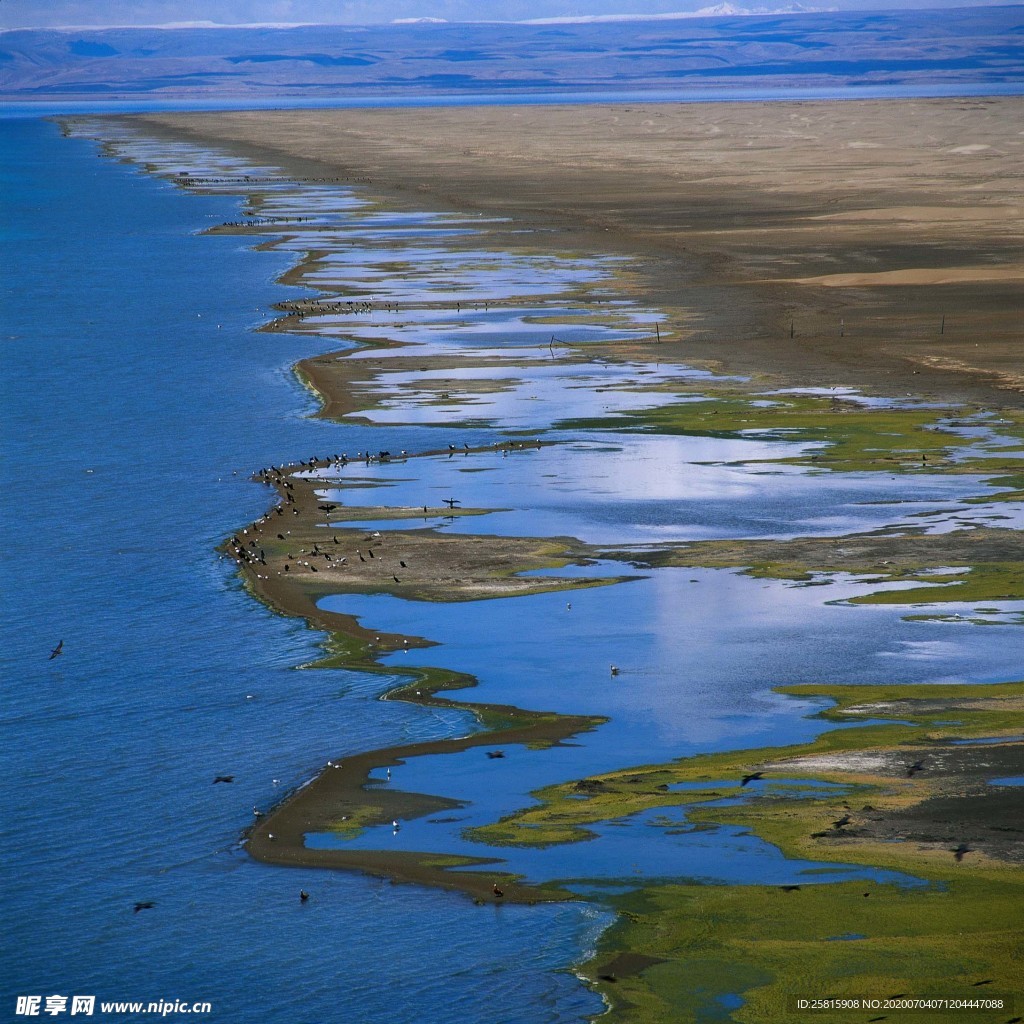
x=295 y=815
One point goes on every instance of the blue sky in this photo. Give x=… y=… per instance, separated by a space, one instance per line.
x=41 y=13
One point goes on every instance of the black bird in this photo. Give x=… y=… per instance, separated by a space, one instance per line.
x=369 y=551
x=280 y=536
x=452 y=502
x=497 y=892
x=396 y=579
x=361 y=559
x=303 y=895
x=844 y=820
x=402 y=564
x=960 y=851
x=335 y=540
x=147 y=905
x=789 y=888
x=59 y=649
x=917 y=766
x=752 y=777
x=987 y=981
x=495 y=753
x=224 y=778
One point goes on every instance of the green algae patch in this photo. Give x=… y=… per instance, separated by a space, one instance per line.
x=713 y=947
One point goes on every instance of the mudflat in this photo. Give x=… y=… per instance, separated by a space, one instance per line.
x=871 y=243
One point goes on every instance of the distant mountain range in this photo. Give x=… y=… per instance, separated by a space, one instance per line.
x=726 y=10
x=721 y=47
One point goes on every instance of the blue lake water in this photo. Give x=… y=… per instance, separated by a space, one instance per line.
x=139 y=399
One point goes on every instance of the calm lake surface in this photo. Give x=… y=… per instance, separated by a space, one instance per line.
x=139 y=398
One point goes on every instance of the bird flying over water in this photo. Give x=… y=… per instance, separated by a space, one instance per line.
x=223 y=778
x=752 y=777
x=147 y=905
x=59 y=649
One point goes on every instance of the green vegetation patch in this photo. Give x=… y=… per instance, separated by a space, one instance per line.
x=682 y=953
x=856 y=437
x=852 y=437
x=987 y=581
x=900 y=715
x=976 y=565
x=712 y=946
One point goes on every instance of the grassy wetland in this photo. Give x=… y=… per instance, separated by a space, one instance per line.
x=629 y=566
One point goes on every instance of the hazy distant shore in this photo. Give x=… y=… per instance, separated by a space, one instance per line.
x=869 y=243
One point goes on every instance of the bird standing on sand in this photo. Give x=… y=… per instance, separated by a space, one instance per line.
x=59 y=649
x=497 y=892
x=844 y=820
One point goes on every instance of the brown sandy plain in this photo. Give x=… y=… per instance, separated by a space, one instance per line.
x=871 y=243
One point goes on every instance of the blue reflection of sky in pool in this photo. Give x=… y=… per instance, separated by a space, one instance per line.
x=628 y=489
x=697 y=659
x=697 y=662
